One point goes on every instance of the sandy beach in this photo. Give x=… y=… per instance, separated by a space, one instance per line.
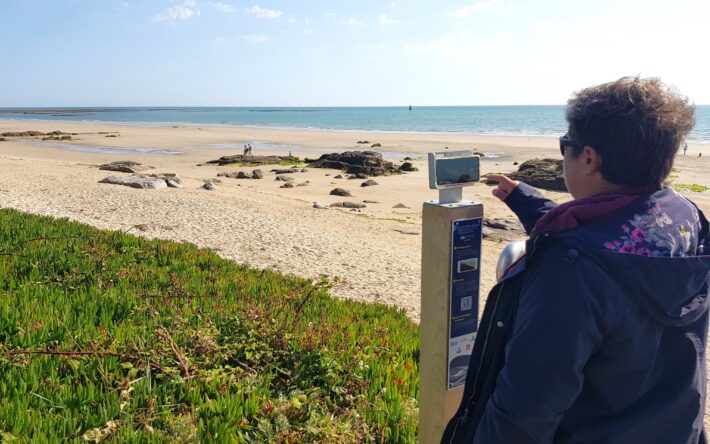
x=372 y=254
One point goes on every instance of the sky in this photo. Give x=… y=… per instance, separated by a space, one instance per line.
x=343 y=53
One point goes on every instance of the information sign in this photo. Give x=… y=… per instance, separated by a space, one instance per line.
x=463 y=296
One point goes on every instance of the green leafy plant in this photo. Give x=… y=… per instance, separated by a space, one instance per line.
x=108 y=337
x=690 y=187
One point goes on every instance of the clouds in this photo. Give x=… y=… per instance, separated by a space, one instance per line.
x=255 y=38
x=223 y=7
x=263 y=13
x=482 y=6
x=385 y=20
x=352 y=21
x=184 y=11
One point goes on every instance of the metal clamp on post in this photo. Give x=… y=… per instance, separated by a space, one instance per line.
x=451 y=257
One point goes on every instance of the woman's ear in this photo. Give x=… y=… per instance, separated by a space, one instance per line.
x=592 y=160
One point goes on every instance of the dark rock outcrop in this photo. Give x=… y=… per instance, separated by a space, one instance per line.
x=23 y=134
x=253 y=160
x=368 y=163
x=368 y=183
x=408 y=166
x=546 y=174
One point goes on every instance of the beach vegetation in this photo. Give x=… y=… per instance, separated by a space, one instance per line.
x=689 y=187
x=109 y=337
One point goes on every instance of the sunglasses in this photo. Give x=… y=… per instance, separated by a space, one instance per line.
x=566 y=141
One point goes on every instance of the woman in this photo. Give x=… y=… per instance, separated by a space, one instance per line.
x=598 y=334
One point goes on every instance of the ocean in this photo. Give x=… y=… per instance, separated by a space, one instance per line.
x=540 y=120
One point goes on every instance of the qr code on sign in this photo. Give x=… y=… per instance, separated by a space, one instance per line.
x=466 y=303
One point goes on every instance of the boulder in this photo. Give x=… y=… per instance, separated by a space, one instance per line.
x=503 y=230
x=408 y=166
x=285 y=178
x=285 y=171
x=348 y=205
x=339 y=176
x=136 y=181
x=209 y=186
x=172 y=183
x=243 y=175
x=376 y=145
x=257 y=174
x=166 y=177
x=368 y=163
x=287 y=185
x=125 y=166
x=368 y=183
x=340 y=192
x=546 y=174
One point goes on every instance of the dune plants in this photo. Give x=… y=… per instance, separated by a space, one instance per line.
x=109 y=337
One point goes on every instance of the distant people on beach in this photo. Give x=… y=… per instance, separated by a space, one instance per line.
x=247 y=149
x=685 y=147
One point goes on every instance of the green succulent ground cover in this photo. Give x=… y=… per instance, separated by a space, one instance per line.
x=105 y=336
x=690 y=187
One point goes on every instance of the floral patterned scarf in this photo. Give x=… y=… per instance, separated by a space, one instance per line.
x=638 y=222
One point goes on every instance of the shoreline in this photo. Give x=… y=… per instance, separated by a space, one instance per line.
x=306 y=129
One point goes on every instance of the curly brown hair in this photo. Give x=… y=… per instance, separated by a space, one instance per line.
x=636 y=125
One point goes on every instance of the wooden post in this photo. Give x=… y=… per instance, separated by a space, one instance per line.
x=437 y=403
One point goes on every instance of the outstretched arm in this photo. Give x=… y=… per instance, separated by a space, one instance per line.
x=526 y=202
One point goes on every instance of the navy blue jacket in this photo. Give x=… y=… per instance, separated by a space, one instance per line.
x=599 y=335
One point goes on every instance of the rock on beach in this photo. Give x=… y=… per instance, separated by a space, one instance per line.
x=137 y=181
x=366 y=163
